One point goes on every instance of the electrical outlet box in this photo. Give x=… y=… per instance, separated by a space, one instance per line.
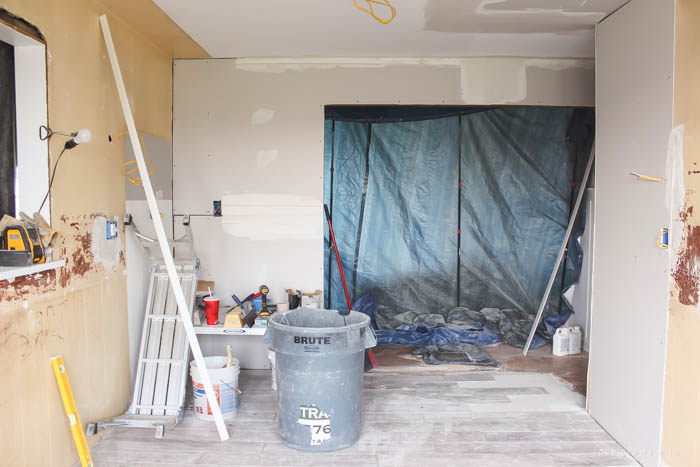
x=111 y=229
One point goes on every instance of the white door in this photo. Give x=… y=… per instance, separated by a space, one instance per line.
x=634 y=106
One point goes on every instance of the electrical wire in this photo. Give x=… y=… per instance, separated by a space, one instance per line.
x=53 y=175
x=136 y=181
x=370 y=9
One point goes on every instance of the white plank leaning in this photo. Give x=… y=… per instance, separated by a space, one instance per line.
x=160 y=232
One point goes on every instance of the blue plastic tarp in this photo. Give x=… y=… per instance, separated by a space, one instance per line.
x=393 y=189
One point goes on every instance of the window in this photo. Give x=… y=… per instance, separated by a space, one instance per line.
x=24 y=158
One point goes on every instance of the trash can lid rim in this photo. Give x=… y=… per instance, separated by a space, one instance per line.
x=365 y=322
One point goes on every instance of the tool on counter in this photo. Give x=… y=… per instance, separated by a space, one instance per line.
x=264 y=290
x=21 y=238
x=238 y=301
x=370 y=361
x=251 y=298
x=249 y=318
x=46 y=232
x=294 y=299
x=234 y=319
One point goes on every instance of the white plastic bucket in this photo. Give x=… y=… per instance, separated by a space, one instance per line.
x=225 y=383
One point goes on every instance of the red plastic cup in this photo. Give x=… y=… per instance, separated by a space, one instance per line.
x=211 y=308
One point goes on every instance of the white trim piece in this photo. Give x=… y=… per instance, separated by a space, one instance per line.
x=160 y=233
x=222 y=331
x=32 y=153
x=9 y=273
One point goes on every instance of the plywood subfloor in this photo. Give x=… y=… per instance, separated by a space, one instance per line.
x=410 y=418
x=572 y=368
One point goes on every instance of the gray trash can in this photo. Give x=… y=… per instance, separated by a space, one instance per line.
x=320 y=367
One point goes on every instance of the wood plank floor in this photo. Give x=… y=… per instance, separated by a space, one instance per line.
x=413 y=418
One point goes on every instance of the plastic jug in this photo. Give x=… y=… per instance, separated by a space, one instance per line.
x=575 y=340
x=560 y=345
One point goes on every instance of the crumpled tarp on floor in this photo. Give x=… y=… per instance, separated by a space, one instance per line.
x=455 y=354
x=461 y=326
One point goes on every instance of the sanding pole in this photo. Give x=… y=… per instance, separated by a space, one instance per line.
x=337 y=257
x=574 y=212
x=160 y=234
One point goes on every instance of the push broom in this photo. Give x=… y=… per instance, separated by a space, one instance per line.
x=370 y=361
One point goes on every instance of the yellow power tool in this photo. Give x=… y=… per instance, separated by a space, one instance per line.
x=23 y=238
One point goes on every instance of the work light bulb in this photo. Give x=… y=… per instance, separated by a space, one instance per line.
x=84 y=136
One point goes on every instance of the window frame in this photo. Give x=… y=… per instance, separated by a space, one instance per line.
x=31 y=104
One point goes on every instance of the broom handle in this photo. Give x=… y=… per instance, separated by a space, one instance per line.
x=337 y=257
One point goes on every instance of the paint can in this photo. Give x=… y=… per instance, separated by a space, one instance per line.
x=225 y=384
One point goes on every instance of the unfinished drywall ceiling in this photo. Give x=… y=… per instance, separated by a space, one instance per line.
x=515 y=16
x=422 y=28
x=157 y=28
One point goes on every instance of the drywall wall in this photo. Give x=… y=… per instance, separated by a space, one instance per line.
x=581 y=296
x=255 y=126
x=79 y=311
x=681 y=432
x=634 y=104
x=158 y=152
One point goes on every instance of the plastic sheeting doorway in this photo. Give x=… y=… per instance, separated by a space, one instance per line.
x=419 y=240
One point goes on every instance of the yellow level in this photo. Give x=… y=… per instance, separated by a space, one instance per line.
x=69 y=403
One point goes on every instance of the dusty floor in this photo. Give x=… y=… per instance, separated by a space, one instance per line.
x=572 y=368
x=411 y=417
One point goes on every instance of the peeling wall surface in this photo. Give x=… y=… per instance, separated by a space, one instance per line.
x=681 y=431
x=254 y=127
x=80 y=310
x=634 y=117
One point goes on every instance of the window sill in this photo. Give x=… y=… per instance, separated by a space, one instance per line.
x=9 y=273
